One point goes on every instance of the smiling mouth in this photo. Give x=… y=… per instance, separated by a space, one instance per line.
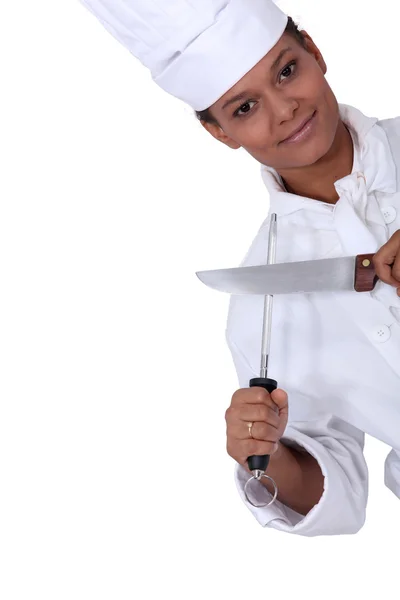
x=297 y=134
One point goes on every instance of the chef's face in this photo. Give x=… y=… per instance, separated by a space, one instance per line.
x=275 y=100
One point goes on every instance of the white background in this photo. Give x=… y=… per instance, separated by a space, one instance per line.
x=114 y=373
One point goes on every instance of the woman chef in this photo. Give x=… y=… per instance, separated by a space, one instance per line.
x=332 y=174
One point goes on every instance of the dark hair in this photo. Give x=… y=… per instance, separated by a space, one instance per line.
x=293 y=30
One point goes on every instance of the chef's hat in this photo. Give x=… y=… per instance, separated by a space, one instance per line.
x=196 y=50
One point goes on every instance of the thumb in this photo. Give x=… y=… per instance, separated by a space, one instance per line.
x=280 y=398
x=386 y=258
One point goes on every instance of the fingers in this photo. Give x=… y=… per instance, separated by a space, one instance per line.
x=387 y=261
x=257 y=395
x=396 y=268
x=265 y=432
x=252 y=412
x=268 y=415
x=254 y=395
x=240 y=451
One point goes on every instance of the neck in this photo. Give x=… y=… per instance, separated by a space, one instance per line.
x=317 y=180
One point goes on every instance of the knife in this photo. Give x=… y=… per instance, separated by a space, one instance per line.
x=348 y=273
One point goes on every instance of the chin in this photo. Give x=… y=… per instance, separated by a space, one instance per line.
x=314 y=153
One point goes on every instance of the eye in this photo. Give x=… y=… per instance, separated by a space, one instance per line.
x=289 y=69
x=246 y=112
x=287 y=72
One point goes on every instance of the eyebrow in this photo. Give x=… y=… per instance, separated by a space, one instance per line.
x=245 y=93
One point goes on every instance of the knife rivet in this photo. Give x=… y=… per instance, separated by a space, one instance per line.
x=366 y=262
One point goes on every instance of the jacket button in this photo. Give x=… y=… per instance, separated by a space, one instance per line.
x=389 y=214
x=381 y=334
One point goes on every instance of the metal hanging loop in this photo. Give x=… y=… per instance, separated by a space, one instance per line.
x=257 y=476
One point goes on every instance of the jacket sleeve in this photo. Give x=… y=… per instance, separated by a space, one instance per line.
x=338 y=448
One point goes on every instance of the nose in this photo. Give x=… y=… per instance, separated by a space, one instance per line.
x=283 y=107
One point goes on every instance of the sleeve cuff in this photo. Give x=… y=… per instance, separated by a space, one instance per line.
x=334 y=514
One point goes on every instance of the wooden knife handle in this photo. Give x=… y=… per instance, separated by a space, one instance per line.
x=365 y=277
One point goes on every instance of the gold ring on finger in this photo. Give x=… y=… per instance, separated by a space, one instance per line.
x=250 y=427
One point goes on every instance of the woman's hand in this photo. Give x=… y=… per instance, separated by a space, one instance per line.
x=387 y=262
x=269 y=415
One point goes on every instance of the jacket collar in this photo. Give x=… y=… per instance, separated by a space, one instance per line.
x=372 y=157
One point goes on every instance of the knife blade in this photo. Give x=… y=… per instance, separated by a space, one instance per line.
x=348 y=273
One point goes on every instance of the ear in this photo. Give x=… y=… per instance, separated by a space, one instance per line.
x=218 y=133
x=314 y=50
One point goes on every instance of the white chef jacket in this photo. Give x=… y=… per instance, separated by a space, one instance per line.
x=336 y=354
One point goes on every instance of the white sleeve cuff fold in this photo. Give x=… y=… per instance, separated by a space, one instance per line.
x=342 y=507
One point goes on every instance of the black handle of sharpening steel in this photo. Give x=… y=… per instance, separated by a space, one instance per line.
x=261 y=462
